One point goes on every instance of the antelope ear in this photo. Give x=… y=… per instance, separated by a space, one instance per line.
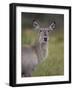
x=36 y=25
x=52 y=26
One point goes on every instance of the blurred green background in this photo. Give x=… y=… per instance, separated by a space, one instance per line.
x=54 y=64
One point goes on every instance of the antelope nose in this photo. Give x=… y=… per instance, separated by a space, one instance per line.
x=45 y=39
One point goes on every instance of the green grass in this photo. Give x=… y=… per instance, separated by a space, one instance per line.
x=54 y=64
x=28 y=37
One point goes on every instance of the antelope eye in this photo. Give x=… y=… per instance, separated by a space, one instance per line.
x=40 y=30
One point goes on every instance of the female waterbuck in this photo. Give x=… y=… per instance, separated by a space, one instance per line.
x=31 y=56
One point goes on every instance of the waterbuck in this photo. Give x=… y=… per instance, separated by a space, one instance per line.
x=33 y=55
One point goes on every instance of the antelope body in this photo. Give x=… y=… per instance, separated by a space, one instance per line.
x=33 y=55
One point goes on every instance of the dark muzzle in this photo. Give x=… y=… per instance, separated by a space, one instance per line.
x=45 y=39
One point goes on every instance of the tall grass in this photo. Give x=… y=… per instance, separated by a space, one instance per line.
x=54 y=64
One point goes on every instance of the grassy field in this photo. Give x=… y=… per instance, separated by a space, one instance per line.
x=54 y=64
